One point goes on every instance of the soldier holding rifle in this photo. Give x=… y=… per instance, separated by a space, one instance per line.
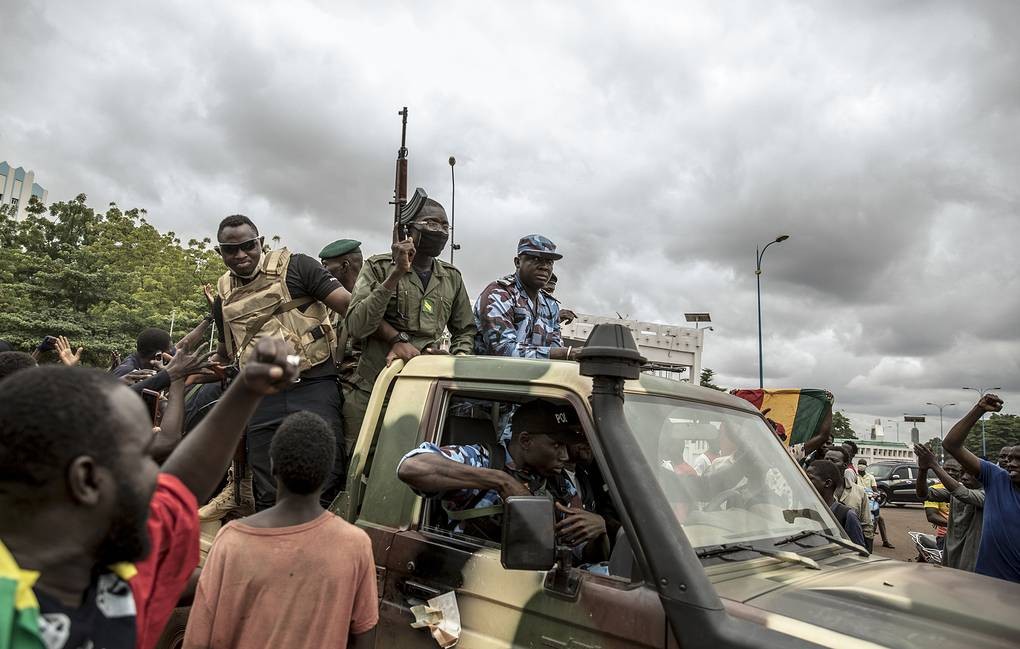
x=404 y=300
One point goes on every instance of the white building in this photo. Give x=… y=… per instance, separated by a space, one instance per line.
x=674 y=351
x=17 y=187
x=877 y=432
x=876 y=451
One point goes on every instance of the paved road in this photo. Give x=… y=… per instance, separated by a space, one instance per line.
x=898 y=521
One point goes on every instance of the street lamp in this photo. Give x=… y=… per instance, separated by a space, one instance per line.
x=981 y=393
x=758 y=254
x=940 y=407
x=453 y=209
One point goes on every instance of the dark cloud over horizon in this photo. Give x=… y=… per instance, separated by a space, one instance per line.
x=657 y=144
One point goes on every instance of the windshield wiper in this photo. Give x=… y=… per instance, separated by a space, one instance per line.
x=835 y=539
x=782 y=555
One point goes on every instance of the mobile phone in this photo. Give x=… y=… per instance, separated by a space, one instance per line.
x=48 y=343
x=151 y=398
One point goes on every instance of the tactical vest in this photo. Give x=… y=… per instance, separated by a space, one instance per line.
x=263 y=308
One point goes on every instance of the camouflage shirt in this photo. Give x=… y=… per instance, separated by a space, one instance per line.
x=510 y=324
x=478 y=456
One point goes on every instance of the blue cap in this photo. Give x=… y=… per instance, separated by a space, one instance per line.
x=539 y=246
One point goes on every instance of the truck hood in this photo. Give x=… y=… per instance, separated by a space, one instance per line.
x=896 y=604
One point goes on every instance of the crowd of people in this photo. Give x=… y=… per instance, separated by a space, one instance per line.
x=128 y=462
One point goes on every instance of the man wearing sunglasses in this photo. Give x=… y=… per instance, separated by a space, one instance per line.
x=279 y=294
x=403 y=302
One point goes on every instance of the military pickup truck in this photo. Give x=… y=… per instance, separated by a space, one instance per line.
x=756 y=561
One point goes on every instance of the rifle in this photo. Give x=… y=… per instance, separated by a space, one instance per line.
x=400 y=182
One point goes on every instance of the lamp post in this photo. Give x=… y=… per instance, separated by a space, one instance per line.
x=981 y=393
x=453 y=209
x=940 y=407
x=758 y=254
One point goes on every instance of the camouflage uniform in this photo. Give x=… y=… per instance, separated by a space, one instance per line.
x=488 y=525
x=423 y=312
x=510 y=324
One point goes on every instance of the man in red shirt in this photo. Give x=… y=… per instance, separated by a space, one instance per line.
x=81 y=498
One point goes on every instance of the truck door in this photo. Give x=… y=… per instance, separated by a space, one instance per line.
x=498 y=607
x=379 y=504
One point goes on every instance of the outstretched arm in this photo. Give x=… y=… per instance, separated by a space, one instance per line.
x=195 y=336
x=171 y=426
x=431 y=473
x=926 y=460
x=821 y=435
x=953 y=442
x=200 y=459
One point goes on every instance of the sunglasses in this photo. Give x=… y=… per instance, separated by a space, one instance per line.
x=432 y=226
x=225 y=249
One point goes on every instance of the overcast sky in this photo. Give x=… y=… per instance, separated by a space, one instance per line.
x=656 y=144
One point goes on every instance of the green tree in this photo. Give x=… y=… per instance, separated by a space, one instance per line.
x=707 y=375
x=1000 y=430
x=841 y=428
x=97 y=278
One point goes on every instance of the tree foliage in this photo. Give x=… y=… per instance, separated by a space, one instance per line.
x=97 y=278
x=1000 y=430
x=707 y=375
x=841 y=428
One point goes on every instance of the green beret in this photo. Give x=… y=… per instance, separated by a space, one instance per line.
x=339 y=247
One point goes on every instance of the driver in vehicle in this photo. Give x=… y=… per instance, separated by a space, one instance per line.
x=473 y=480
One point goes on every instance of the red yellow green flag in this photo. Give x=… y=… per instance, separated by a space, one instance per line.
x=800 y=411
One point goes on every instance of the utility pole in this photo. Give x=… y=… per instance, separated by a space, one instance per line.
x=941 y=435
x=758 y=254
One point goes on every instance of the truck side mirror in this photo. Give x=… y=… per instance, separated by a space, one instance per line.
x=529 y=533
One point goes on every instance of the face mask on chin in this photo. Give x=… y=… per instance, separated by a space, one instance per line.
x=258 y=267
x=431 y=244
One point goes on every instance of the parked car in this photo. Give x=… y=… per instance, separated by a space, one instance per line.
x=896 y=482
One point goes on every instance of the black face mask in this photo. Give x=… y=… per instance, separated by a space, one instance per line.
x=430 y=244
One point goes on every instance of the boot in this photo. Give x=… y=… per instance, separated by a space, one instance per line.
x=224 y=504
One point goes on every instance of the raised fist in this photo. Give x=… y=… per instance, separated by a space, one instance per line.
x=271 y=368
x=990 y=403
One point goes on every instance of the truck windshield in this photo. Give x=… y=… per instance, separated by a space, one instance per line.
x=726 y=476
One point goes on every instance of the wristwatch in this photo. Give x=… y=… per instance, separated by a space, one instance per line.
x=401 y=337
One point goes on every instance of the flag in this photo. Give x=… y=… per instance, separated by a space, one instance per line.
x=799 y=410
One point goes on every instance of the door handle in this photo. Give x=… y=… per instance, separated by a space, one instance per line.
x=421 y=591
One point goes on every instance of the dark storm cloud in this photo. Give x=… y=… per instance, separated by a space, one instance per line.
x=657 y=144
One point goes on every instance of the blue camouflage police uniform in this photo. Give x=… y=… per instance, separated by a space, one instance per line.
x=509 y=322
x=478 y=456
